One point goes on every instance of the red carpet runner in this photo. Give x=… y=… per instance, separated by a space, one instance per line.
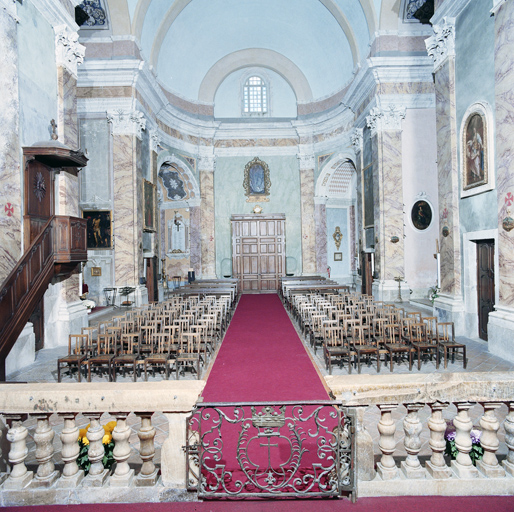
x=262 y=358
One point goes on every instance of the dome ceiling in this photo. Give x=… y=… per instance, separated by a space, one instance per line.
x=193 y=45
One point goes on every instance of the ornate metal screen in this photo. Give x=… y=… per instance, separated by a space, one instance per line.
x=270 y=450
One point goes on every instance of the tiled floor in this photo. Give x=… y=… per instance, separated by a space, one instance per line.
x=479 y=360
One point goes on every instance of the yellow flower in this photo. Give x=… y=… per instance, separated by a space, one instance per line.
x=106 y=439
x=82 y=433
x=85 y=440
x=110 y=426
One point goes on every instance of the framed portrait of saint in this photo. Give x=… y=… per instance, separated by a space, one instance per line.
x=149 y=191
x=99 y=229
x=256 y=182
x=475 y=149
x=421 y=215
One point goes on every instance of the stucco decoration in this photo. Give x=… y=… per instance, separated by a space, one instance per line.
x=387 y=118
x=257 y=182
x=69 y=52
x=96 y=14
x=176 y=183
x=441 y=45
x=127 y=123
x=155 y=141
x=356 y=139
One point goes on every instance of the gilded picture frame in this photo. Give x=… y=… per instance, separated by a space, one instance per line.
x=96 y=271
x=99 y=229
x=257 y=182
x=149 y=193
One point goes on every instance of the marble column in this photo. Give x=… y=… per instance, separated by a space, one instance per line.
x=128 y=205
x=207 y=270
x=10 y=174
x=386 y=135
x=501 y=321
x=195 y=223
x=307 y=214
x=441 y=47
x=320 y=221
x=356 y=138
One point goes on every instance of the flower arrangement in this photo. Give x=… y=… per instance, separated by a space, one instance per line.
x=476 y=452
x=433 y=293
x=108 y=459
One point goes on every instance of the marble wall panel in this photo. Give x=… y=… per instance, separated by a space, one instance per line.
x=112 y=91
x=10 y=181
x=308 y=224
x=124 y=217
x=245 y=143
x=195 y=235
x=504 y=101
x=208 y=266
x=67 y=123
x=448 y=178
x=406 y=88
x=141 y=159
x=353 y=250
x=377 y=212
x=320 y=219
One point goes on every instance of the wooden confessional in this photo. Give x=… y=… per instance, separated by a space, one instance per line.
x=55 y=245
x=258 y=251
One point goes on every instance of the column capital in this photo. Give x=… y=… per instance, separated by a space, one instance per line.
x=127 y=123
x=69 y=53
x=306 y=161
x=155 y=141
x=207 y=163
x=356 y=139
x=385 y=118
x=441 y=45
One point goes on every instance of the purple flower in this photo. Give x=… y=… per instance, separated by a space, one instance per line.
x=475 y=436
x=450 y=435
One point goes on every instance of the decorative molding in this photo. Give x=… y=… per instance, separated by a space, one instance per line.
x=307 y=162
x=97 y=18
x=127 y=123
x=496 y=6
x=386 y=118
x=441 y=45
x=69 y=53
x=357 y=139
x=55 y=13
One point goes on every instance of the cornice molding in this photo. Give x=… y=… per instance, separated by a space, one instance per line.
x=441 y=46
x=55 y=13
x=306 y=161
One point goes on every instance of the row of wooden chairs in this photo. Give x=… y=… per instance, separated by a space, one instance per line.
x=174 y=335
x=353 y=327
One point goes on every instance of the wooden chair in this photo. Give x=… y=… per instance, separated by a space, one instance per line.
x=188 y=353
x=395 y=343
x=78 y=349
x=335 y=348
x=127 y=355
x=106 y=352
x=161 y=354
x=364 y=345
x=420 y=342
x=446 y=342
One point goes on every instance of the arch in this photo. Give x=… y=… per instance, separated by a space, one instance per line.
x=332 y=166
x=178 y=5
x=119 y=17
x=368 y=7
x=254 y=57
x=389 y=13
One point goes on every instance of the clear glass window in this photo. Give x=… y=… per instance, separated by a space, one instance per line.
x=255 y=96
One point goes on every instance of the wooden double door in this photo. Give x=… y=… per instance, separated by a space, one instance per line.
x=258 y=251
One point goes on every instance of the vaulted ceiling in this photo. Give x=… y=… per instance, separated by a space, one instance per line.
x=193 y=45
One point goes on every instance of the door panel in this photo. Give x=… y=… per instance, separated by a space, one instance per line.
x=485 y=284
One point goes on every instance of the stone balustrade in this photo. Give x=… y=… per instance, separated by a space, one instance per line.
x=59 y=404
x=420 y=407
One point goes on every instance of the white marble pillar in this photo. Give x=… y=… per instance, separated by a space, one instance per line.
x=206 y=166
x=10 y=177
x=441 y=47
x=386 y=133
x=501 y=321
x=320 y=220
x=307 y=213
x=357 y=140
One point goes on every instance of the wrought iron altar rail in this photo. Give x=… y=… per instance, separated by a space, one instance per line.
x=265 y=449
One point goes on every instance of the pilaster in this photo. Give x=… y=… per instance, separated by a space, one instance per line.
x=501 y=321
x=206 y=166
x=386 y=133
x=307 y=213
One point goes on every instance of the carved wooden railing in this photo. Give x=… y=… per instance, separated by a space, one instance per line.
x=56 y=251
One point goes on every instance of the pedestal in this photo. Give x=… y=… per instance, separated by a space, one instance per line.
x=147 y=480
x=122 y=481
x=96 y=480
x=412 y=473
x=438 y=473
x=464 y=471
x=387 y=473
x=70 y=482
x=15 y=484
x=44 y=482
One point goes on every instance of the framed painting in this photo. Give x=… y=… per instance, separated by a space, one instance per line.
x=96 y=271
x=256 y=182
x=475 y=150
x=149 y=192
x=99 y=229
x=421 y=215
x=338 y=256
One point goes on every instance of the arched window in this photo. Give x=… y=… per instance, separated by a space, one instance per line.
x=255 y=96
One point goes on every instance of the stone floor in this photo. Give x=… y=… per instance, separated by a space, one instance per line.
x=479 y=360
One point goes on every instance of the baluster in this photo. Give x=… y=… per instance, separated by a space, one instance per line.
x=97 y=473
x=20 y=477
x=436 y=466
x=462 y=465
x=123 y=475
x=46 y=474
x=149 y=473
x=71 y=474
x=412 y=427
x=508 y=425
x=489 y=440
x=386 y=468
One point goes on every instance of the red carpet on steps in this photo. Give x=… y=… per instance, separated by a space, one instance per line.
x=262 y=358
